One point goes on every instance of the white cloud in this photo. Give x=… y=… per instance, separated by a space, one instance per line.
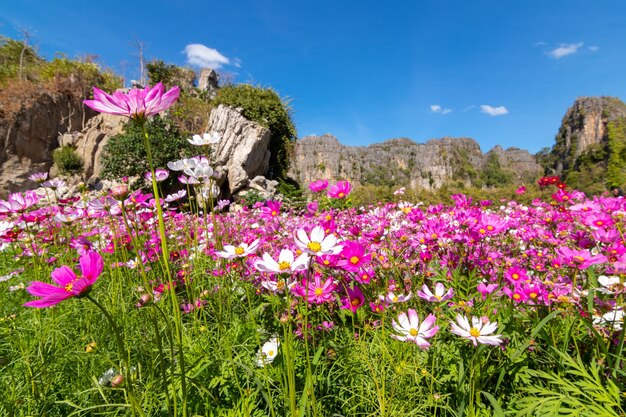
x=205 y=57
x=470 y=107
x=436 y=108
x=565 y=50
x=594 y=48
x=540 y=43
x=494 y=111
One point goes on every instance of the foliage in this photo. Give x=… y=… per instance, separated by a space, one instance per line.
x=616 y=169
x=581 y=390
x=264 y=106
x=10 y=52
x=492 y=174
x=125 y=154
x=83 y=75
x=292 y=195
x=190 y=114
x=67 y=160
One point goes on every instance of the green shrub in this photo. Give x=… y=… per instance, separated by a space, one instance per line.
x=125 y=154
x=85 y=75
x=264 y=106
x=67 y=160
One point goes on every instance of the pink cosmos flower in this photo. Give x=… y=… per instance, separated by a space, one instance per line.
x=318 y=186
x=340 y=190
x=137 y=104
x=353 y=300
x=354 y=256
x=439 y=295
x=18 y=202
x=521 y=190
x=485 y=289
x=271 y=209
x=409 y=328
x=70 y=285
x=318 y=292
x=159 y=174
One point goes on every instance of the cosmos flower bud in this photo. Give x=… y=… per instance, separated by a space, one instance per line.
x=144 y=300
x=119 y=192
x=117 y=381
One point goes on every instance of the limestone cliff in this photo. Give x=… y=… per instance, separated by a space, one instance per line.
x=590 y=147
x=403 y=162
x=29 y=133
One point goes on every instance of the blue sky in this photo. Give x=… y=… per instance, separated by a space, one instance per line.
x=501 y=72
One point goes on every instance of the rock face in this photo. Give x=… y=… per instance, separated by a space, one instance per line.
x=242 y=152
x=89 y=143
x=401 y=161
x=208 y=81
x=585 y=126
x=28 y=137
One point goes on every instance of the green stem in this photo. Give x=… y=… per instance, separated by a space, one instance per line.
x=123 y=353
x=166 y=257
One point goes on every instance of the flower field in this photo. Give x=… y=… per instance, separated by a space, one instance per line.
x=136 y=303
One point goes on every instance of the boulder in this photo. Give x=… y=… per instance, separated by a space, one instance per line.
x=89 y=143
x=242 y=152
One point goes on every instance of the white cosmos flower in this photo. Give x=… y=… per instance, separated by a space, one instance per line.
x=182 y=164
x=409 y=328
x=176 y=196
x=205 y=139
x=439 y=295
x=286 y=262
x=318 y=244
x=268 y=352
x=397 y=298
x=478 y=332
x=240 y=251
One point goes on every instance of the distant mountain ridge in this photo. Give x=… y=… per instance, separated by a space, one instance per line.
x=403 y=162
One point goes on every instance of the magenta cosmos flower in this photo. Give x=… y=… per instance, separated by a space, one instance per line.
x=340 y=190
x=318 y=186
x=138 y=104
x=71 y=285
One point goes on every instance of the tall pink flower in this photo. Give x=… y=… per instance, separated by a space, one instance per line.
x=138 y=104
x=340 y=190
x=318 y=186
x=71 y=285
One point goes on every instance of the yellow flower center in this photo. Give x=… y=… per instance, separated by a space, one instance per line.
x=395 y=298
x=515 y=276
x=274 y=213
x=355 y=302
x=354 y=260
x=239 y=251
x=282 y=265
x=579 y=258
x=413 y=332
x=341 y=195
x=319 y=292
x=314 y=246
x=490 y=227
x=482 y=231
x=474 y=332
x=69 y=287
x=280 y=285
x=270 y=353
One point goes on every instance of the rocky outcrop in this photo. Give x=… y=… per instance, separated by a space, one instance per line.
x=29 y=135
x=401 y=161
x=585 y=126
x=242 y=152
x=89 y=143
x=208 y=81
